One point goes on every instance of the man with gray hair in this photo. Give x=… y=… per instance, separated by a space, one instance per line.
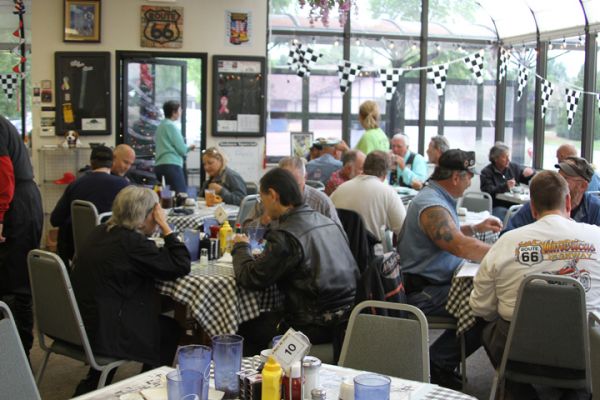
x=353 y=161
x=379 y=203
x=409 y=169
x=567 y=150
x=314 y=198
x=437 y=146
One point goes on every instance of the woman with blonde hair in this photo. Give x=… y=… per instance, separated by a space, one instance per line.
x=374 y=138
x=223 y=180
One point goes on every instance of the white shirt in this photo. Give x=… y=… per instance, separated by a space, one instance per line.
x=376 y=202
x=553 y=244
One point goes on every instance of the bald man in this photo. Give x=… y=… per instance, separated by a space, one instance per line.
x=123 y=159
x=568 y=150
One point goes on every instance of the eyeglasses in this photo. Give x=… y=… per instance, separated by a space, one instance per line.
x=211 y=150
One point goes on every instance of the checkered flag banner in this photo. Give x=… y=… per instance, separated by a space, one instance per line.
x=504 y=59
x=347 y=72
x=547 y=90
x=8 y=82
x=389 y=79
x=475 y=64
x=294 y=57
x=437 y=74
x=572 y=99
x=308 y=58
x=522 y=79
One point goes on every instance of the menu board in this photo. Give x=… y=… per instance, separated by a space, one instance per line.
x=238 y=96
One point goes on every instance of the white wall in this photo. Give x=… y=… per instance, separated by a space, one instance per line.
x=204 y=31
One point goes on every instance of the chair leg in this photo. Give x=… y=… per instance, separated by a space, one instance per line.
x=40 y=372
x=494 y=388
x=463 y=360
x=109 y=370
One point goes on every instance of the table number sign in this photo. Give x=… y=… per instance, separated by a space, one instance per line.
x=292 y=347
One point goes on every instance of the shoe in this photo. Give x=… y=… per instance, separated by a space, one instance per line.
x=445 y=378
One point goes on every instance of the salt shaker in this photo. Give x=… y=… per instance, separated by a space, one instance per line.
x=311 y=366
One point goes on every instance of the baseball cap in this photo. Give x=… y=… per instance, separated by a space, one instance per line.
x=101 y=153
x=67 y=178
x=577 y=167
x=458 y=160
x=325 y=142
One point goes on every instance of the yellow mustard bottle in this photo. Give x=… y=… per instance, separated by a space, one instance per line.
x=224 y=233
x=271 y=380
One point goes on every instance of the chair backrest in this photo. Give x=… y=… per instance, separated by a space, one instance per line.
x=16 y=379
x=246 y=206
x=55 y=308
x=594 y=327
x=476 y=201
x=387 y=345
x=105 y=216
x=84 y=216
x=316 y=184
x=548 y=339
x=251 y=187
x=512 y=210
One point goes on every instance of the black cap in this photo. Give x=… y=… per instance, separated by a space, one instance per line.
x=458 y=160
x=102 y=154
x=577 y=167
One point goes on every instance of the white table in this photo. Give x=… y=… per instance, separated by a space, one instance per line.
x=330 y=377
x=516 y=198
x=476 y=217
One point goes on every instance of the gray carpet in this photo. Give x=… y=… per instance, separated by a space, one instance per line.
x=63 y=374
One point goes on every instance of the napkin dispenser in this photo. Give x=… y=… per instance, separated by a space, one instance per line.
x=212 y=246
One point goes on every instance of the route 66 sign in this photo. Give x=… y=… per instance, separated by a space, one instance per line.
x=530 y=255
x=162 y=27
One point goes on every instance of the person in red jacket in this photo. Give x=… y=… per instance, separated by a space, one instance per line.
x=21 y=219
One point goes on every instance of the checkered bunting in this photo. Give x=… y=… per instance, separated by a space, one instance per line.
x=504 y=59
x=475 y=64
x=572 y=100
x=389 y=79
x=294 y=57
x=547 y=90
x=8 y=82
x=437 y=74
x=347 y=72
x=301 y=59
x=522 y=79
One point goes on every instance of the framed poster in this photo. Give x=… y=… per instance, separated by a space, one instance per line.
x=238 y=28
x=162 y=27
x=238 y=101
x=300 y=143
x=82 y=21
x=82 y=90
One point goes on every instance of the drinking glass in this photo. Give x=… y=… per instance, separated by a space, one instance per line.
x=184 y=384
x=197 y=358
x=227 y=355
x=372 y=387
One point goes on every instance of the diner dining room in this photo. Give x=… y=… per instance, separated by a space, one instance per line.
x=299 y=199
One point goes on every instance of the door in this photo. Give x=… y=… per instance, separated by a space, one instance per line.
x=146 y=85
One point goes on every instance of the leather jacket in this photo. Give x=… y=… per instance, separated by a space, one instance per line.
x=308 y=257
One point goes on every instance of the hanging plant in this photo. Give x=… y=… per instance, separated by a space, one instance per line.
x=320 y=9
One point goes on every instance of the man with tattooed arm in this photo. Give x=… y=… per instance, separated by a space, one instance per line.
x=432 y=246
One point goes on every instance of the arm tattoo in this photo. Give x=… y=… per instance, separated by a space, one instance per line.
x=438 y=224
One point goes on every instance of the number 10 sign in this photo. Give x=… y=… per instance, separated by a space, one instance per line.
x=292 y=347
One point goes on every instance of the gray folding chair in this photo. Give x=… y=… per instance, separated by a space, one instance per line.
x=548 y=339
x=84 y=217
x=251 y=187
x=512 y=210
x=387 y=345
x=246 y=206
x=594 y=327
x=57 y=315
x=105 y=216
x=16 y=379
x=476 y=201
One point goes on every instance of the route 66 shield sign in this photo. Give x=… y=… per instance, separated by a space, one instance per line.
x=162 y=27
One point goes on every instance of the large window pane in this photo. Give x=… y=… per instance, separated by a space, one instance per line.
x=278 y=136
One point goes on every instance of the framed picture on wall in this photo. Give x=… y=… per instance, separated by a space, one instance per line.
x=238 y=101
x=300 y=143
x=82 y=21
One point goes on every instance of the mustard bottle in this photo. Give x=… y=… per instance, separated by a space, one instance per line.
x=224 y=233
x=271 y=380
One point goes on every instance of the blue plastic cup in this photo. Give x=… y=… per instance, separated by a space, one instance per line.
x=197 y=358
x=191 y=239
x=192 y=192
x=184 y=384
x=372 y=387
x=227 y=355
x=275 y=340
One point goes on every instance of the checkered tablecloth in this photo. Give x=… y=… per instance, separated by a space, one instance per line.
x=215 y=300
x=458 y=303
x=192 y=221
x=441 y=393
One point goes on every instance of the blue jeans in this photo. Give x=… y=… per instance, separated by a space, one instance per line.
x=173 y=176
x=445 y=351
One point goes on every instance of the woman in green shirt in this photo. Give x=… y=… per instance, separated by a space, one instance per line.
x=374 y=138
x=171 y=149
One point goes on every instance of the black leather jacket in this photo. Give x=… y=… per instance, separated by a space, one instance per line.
x=493 y=181
x=308 y=257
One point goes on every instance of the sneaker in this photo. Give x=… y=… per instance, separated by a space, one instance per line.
x=445 y=378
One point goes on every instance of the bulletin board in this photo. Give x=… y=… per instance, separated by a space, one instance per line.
x=238 y=103
x=82 y=84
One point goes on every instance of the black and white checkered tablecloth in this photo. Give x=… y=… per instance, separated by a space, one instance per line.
x=216 y=301
x=458 y=303
x=446 y=394
x=192 y=221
